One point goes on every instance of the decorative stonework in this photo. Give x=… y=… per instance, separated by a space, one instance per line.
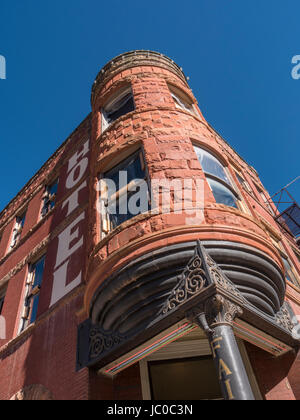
x=133 y=59
x=33 y=393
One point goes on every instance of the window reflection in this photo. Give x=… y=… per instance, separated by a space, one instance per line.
x=217 y=178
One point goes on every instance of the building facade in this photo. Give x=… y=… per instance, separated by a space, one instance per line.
x=143 y=260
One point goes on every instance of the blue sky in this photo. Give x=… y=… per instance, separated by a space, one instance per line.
x=237 y=54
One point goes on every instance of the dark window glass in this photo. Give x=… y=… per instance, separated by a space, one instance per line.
x=135 y=173
x=125 y=106
x=120 y=106
x=33 y=293
x=184 y=379
x=2 y=297
x=131 y=166
x=49 y=197
x=222 y=194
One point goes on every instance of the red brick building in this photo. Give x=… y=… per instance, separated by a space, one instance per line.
x=146 y=303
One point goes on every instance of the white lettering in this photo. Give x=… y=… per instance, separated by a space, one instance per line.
x=75 y=158
x=296 y=69
x=72 y=201
x=77 y=173
x=2 y=67
x=60 y=289
x=66 y=238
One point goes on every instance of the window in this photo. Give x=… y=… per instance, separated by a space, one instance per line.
x=217 y=178
x=33 y=287
x=2 y=298
x=182 y=101
x=289 y=273
x=115 y=108
x=119 y=185
x=17 y=231
x=49 y=197
x=265 y=200
x=243 y=183
x=168 y=379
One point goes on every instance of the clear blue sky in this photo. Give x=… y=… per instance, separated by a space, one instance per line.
x=237 y=54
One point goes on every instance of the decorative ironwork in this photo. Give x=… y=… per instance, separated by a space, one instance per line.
x=220 y=310
x=219 y=278
x=192 y=281
x=101 y=342
x=283 y=318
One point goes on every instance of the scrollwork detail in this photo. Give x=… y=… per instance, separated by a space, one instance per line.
x=101 y=341
x=192 y=281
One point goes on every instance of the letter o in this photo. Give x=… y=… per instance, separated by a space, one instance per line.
x=73 y=179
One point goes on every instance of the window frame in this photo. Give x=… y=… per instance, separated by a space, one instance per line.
x=49 y=199
x=17 y=230
x=230 y=185
x=245 y=184
x=106 y=224
x=262 y=197
x=31 y=293
x=192 y=347
x=290 y=272
x=181 y=98
x=118 y=96
x=3 y=291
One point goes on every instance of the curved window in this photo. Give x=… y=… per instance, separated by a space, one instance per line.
x=115 y=108
x=211 y=165
x=222 y=194
x=217 y=178
x=182 y=101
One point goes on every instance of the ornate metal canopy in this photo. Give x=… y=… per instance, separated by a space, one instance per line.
x=202 y=294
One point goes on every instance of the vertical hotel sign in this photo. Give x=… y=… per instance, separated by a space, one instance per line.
x=70 y=239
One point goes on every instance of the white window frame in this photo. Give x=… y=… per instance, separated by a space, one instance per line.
x=26 y=310
x=266 y=202
x=120 y=195
x=181 y=99
x=17 y=231
x=48 y=198
x=111 y=103
x=243 y=182
x=231 y=184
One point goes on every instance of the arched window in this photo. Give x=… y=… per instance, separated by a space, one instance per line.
x=217 y=178
x=181 y=100
x=117 y=106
